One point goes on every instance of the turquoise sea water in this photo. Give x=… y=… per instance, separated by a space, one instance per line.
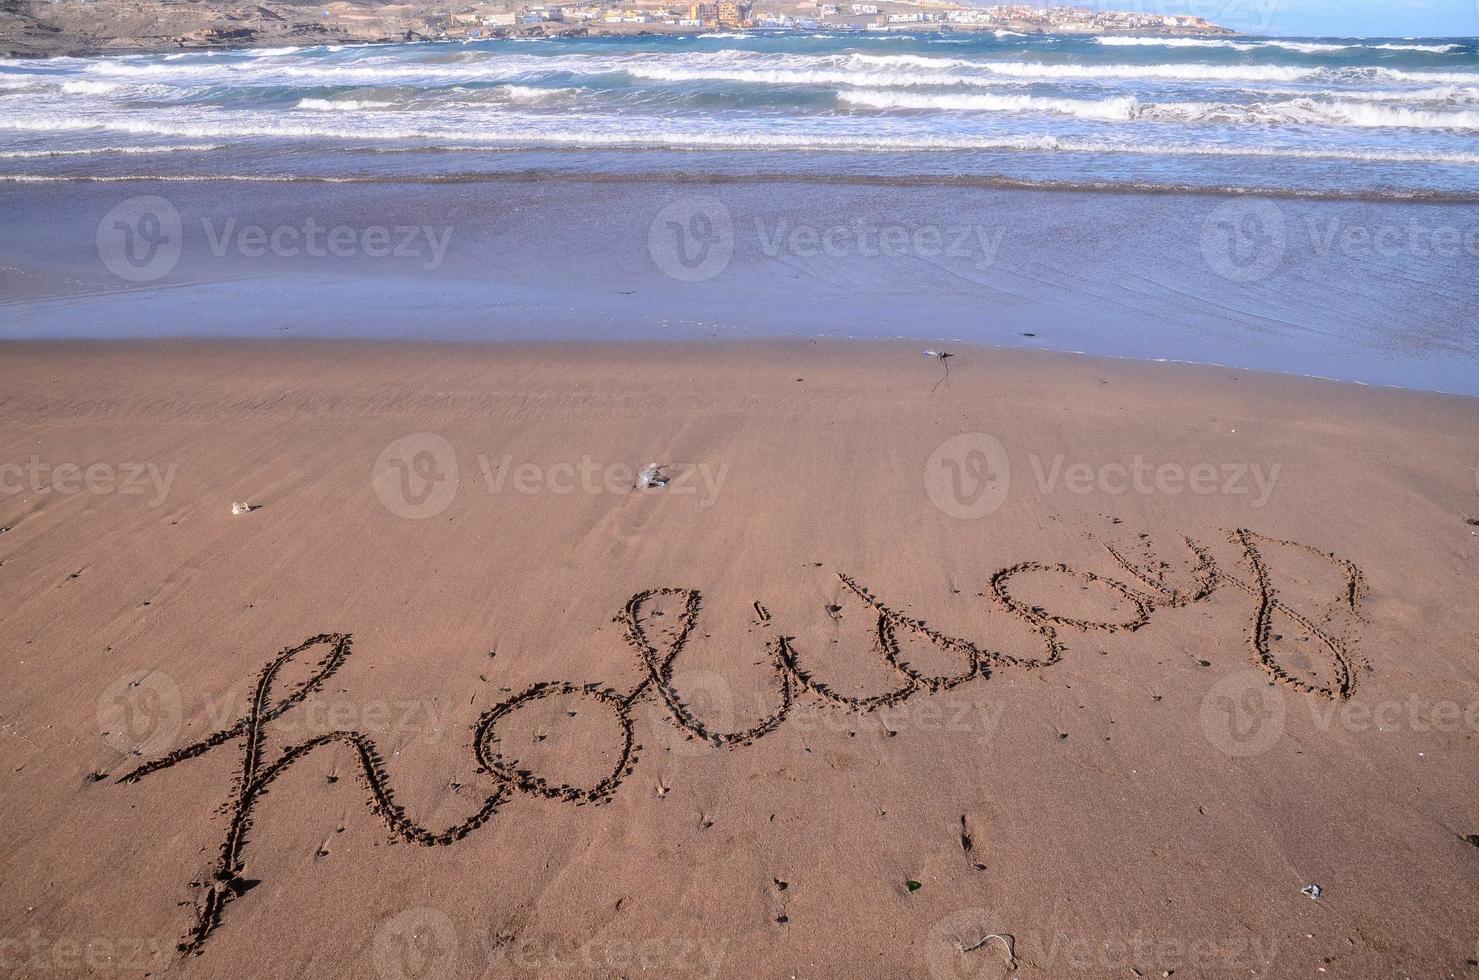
x=1391 y=117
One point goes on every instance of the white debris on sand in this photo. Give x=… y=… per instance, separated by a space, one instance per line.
x=652 y=475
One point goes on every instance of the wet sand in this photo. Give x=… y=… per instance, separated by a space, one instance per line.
x=1377 y=292
x=889 y=667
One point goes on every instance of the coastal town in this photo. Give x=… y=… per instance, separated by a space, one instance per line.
x=810 y=15
x=30 y=28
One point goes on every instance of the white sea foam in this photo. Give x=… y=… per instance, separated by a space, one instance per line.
x=1430 y=48
x=1315 y=47
x=1222 y=73
x=721 y=64
x=1108 y=109
x=577 y=130
x=1127 y=109
x=1309 y=47
x=107 y=151
x=531 y=93
x=84 y=86
x=342 y=105
x=813 y=76
x=1119 y=41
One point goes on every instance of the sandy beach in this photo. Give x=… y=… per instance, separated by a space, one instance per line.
x=1053 y=666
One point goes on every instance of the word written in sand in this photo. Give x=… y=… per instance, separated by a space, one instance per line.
x=792 y=681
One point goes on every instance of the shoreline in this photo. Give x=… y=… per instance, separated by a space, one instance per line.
x=1177 y=370
x=991 y=182
x=1126 y=275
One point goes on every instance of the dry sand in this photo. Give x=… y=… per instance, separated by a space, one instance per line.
x=1147 y=803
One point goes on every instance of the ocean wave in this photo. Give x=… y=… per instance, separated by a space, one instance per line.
x=1447 y=96
x=1303 y=47
x=811 y=76
x=584 y=131
x=1121 y=41
x=486 y=66
x=1222 y=73
x=83 y=86
x=508 y=94
x=1121 y=109
x=1316 y=47
x=1310 y=47
x=530 y=93
x=1183 y=98
x=1376 y=116
x=795 y=69
x=1129 y=109
x=107 y=151
x=1429 y=48
x=342 y=105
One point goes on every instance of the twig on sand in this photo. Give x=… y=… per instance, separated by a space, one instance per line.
x=944 y=358
x=1007 y=942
